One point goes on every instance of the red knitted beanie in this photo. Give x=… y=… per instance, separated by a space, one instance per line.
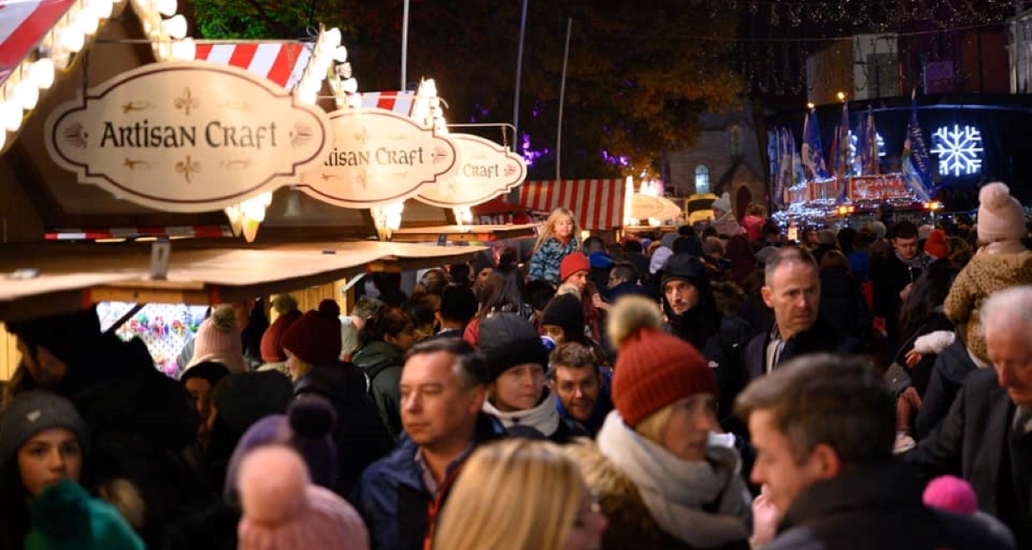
x=654 y=369
x=572 y=263
x=315 y=337
x=272 y=340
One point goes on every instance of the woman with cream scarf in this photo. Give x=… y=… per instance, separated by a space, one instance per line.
x=663 y=478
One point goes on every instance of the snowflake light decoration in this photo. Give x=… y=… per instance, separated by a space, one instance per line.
x=852 y=145
x=959 y=149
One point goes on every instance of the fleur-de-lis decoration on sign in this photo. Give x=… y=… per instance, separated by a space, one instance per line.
x=301 y=135
x=75 y=135
x=186 y=102
x=362 y=135
x=136 y=106
x=188 y=167
x=440 y=154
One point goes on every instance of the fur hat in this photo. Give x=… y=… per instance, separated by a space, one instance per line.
x=1000 y=216
x=572 y=263
x=307 y=427
x=935 y=246
x=315 y=338
x=32 y=412
x=282 y=509
x=653 y=369
x=723 y=203
x=272 y=341
x=509 y=340
x=566 y=312
x=218 y=339
x=65 y=517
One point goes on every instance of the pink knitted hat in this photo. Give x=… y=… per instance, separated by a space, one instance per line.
x=218 y=339
x=952 y=494
x=282 y=510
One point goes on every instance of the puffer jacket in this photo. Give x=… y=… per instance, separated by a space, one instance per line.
x=544 y=264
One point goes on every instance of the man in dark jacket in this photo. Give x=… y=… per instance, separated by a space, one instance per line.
x=951 y=368
x=891 y=277
x=793 y=291
x=824 y=428
x=443 y=387
x=987 y=435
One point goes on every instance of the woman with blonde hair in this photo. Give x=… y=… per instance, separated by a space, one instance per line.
x=558 y=238
x=663 y=477
x=520 y=494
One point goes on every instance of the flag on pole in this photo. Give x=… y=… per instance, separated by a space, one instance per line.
x=860 y=151
x=917 y=164
x=841 y=153
x=812 y=151
x=872 y=165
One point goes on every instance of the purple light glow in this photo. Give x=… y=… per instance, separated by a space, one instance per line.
x=529 y=155
x=615 y=160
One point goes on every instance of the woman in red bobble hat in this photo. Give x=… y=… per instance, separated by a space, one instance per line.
x=313 y=340
x=663 y=477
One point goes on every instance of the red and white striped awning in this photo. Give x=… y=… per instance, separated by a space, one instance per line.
x=598 y=204
x=171 y=231
x=399 y=102
x=23 y=23
x=283 y=63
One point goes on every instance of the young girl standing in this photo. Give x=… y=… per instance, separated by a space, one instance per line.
x=557 y=239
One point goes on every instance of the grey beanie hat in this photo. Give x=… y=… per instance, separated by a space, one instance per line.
x=33 y=412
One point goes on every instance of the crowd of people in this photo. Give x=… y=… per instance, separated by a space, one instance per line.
x=716 y=387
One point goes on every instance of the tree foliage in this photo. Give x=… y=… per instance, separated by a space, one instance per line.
x=634 y=86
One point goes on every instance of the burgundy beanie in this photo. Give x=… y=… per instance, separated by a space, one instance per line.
x=315 y=337
x=572 y=263
x=272 y=340
x=653 y=369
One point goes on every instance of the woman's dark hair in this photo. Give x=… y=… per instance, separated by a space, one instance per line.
x=929 y=292
x=461 y=274
x=392 y=321
x=257 y=324
x=539 y=293
x=503 y=290
x=422 y=309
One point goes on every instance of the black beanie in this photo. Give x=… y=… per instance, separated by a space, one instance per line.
x=567 y=312
x=688 y=268
x=481 y=262
x=509 y=340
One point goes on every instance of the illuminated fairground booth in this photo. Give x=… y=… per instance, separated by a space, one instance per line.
x=910 y=158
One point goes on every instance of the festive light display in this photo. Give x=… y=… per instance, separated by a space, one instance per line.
x=959 y=149
x=852 y=145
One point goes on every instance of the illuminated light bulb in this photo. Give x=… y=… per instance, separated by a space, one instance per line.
x=332 y=37
x=175 y=27
x=71 y=37
x=340 y=54
x=41 y=72
x=26 y=94
x=102 y=8
x=167 y=8
x=307 y=96
x=236 y=218
x=349 y=86
x=10 y=114
x=254 y=208
x=87 y=21
x=184 y=50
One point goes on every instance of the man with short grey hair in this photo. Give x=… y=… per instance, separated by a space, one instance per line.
x=987 y=435
x=793 y=291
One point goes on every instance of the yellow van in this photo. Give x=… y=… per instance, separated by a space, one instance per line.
x=699 y=207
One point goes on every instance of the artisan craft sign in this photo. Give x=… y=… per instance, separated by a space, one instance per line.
x=187 y=136
x=486 y=170
x=378 y=157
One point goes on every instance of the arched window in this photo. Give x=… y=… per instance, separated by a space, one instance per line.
x=702 y=179
x=735 y=137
